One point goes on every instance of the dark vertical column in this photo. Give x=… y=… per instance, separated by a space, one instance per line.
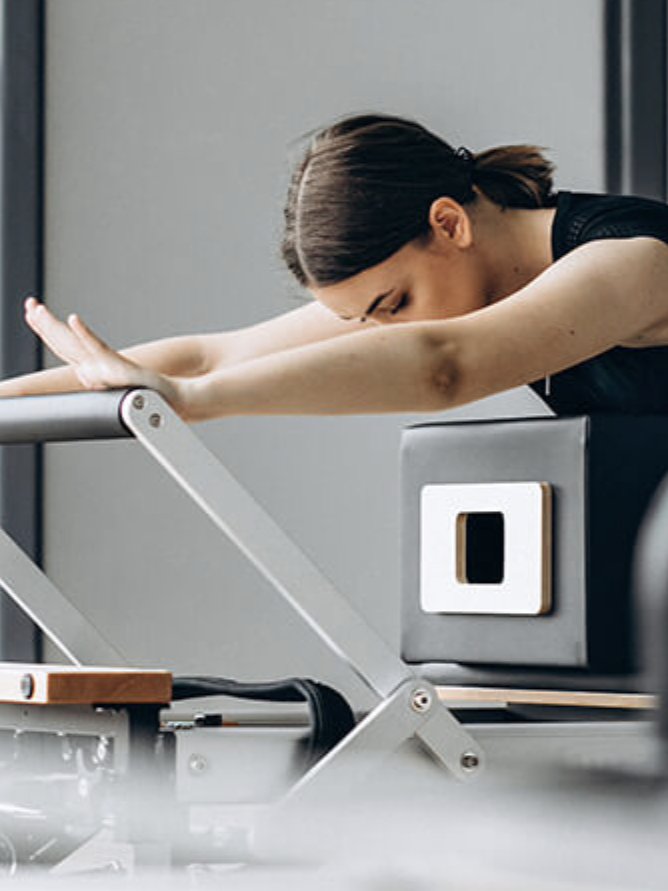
x=21 y=155
x=636 y=97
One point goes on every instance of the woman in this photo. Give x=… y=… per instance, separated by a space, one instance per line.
x=439 y=277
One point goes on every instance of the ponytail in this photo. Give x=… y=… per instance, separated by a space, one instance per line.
x=514 y=175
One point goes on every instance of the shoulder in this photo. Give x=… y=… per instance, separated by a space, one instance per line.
x=584 y=217
x=600 y=296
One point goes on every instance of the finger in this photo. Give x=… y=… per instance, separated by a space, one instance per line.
x=84 y=333
x=55 y=334
x=58 y=335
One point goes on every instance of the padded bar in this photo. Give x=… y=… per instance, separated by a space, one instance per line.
x=63 y=417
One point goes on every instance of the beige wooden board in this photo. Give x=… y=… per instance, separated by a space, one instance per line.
x=582 y=699
x=75 y=685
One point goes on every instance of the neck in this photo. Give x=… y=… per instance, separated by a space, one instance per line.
x=514 y=244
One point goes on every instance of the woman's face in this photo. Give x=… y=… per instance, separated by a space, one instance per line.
x=420 y=282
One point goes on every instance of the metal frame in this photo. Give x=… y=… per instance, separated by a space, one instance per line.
x=21 y=151
x=407 y=705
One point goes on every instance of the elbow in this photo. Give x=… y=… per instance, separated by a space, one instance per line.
x=443 y=375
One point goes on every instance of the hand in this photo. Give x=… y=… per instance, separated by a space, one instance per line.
x=96 y=365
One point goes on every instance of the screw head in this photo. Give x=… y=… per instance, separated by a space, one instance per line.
x=469 y=761
x=102 y=750
x=197 y=764
x=138 y=401
x=421 y=701
x=27 y=686
x=155 y=420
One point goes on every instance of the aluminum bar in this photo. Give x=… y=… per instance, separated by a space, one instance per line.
x=62 y=417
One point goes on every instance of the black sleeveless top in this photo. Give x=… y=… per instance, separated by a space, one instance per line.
x=622 y=380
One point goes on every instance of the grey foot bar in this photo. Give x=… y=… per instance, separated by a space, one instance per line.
x=62 y=417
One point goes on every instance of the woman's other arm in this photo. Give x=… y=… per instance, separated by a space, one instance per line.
x=179 y=356
x=192 y=355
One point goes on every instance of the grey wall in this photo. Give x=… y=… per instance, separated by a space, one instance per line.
x=169 y=126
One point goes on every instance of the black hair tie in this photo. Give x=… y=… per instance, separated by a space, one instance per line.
x=465 y=156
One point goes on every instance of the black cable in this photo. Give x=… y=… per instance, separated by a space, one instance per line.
x=331 y=716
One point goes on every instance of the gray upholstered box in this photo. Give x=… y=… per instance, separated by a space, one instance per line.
x=602 y=471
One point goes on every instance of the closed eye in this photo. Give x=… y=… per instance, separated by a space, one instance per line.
x=400 y=305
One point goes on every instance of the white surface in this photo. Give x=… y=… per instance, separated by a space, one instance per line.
x=522 y=591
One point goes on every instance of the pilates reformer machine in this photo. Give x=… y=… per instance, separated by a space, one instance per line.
x=516 y=608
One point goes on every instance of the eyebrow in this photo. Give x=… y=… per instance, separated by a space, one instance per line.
x=372 y=306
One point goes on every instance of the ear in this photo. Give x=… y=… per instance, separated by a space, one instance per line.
x=448 y=220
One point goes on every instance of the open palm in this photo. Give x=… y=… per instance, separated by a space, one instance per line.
x=96 y=365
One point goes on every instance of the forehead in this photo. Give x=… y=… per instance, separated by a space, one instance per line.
x=353 y=296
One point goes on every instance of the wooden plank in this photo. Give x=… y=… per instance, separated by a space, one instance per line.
x=76 y=685
x=581 y=699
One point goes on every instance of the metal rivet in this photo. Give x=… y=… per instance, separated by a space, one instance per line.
x=138 y=401
x=421 y=701
x=197 y=764
x=102 y=750
x=469 y=761
x=27 y=686
x=155 y=420
x=114 y=866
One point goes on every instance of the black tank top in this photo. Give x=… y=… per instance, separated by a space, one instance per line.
x=622 y=380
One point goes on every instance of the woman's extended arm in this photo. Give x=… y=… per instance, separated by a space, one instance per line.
x=602 y=294
x=396 y=368
x=179 y=356
x=197 y=354
x=382 y=369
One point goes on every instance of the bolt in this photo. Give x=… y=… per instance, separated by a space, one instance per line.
x=155 y=420
x=27 y=686
x=66 y=750
x=114 y=866
x=469 y=761
x=421 y=701
x=102 y=750
x=138 y=401
x=197 y=764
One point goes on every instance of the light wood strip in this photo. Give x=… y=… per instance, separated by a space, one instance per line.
x=582 y=699
x=76 y=685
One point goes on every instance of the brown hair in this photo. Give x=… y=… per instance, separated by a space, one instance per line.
x=364 y=187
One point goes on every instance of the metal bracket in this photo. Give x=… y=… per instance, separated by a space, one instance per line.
x=412 y=710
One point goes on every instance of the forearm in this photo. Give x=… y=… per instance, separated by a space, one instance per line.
x=389 y=369
x=174 y=356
